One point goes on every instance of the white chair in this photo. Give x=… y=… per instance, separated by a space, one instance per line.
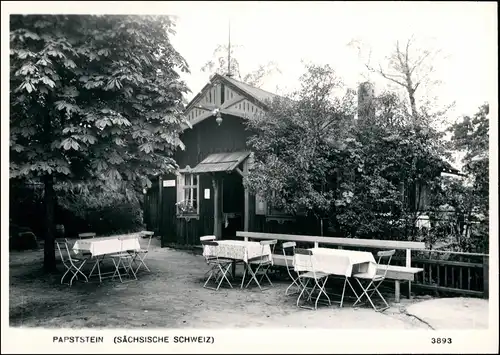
x=72 y=264
x=319 y=278
x=262 y=263
x=373 y=282
x=218 y=267
x=119 y=259
x=208 y=238
x=142 y=253
x=86 y=235
x=295 y=281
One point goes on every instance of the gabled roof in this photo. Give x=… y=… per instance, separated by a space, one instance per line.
x=259 y=94
x=256 y=95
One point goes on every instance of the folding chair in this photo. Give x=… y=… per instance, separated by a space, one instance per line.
x=86 y=235
x=374 y=281
x=319 y=278
x=218 y=267
x=295 y=281
x=143 y=252
x=73 y=264
x=262 y=263
x=208 y=238
x=119 y=260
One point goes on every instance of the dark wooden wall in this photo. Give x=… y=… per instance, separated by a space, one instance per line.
x=207 y=138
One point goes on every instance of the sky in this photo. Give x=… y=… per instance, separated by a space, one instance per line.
x=318 y=32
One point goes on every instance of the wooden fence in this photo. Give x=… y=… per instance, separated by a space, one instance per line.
x=448 y=272
x=452 y=272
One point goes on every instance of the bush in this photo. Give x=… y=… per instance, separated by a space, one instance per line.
x=79 y=210
x=21 y=238
x=115 y=219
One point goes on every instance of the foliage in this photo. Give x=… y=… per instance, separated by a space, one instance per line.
x=219 y=65
x=99 y=210
x=295 y=144
x=471 y=136
x=384 y=158
x=105 y=209
x=454 y=218
x=466 y=201
x=310 y=153
x=186 y=206
x=95 y=99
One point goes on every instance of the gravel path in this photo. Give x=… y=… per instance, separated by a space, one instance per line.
x=172 y=296
x=452 y=313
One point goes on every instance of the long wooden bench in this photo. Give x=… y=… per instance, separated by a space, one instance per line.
x=394 y=272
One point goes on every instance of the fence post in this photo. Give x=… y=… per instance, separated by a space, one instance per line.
x=408 y=264
x=396 y=291
x=486 y=275
x=160 y=215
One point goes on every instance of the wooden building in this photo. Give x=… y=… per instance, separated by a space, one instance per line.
x=206 y=195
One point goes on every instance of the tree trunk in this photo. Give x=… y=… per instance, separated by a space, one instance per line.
x=49 y=254
x=413 y=105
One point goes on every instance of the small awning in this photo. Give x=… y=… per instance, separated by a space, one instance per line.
x=220 y=162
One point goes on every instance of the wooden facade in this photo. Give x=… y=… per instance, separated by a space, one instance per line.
x=206 y=196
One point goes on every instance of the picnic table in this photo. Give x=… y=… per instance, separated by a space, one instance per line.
x=101 y=247
x=339 y=262
x=239 y=250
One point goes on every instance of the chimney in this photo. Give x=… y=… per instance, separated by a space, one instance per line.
x=366 y=107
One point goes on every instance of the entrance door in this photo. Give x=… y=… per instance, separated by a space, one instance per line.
x=168 y=209
x=233 y=205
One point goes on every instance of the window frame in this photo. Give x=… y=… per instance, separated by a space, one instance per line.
x=193 y=197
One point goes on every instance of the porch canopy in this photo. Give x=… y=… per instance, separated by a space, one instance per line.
x=220 y=162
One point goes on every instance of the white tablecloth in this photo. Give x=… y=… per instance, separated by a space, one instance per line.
x=336 y=261
x=237 y=250
x=108 y=245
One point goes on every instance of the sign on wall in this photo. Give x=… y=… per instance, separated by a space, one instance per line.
x=206 y=194
x=260 y=205
x=168 y=183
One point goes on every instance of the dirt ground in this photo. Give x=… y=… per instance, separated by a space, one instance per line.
x=172 y=296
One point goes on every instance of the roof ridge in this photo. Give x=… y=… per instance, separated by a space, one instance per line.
x=251 y=87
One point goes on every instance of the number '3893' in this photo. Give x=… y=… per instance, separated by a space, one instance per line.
x=441 y=340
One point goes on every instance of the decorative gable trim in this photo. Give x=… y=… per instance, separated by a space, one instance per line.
x=206 y=101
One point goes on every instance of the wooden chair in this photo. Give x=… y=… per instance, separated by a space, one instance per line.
x=72 y=264
x=289 y=268
x=119 y=259
x=319 y=278
x=373 y=282
x=86 y=235
x=142 y=253
x=208 y=238
x=262 y=263
x=218 y=267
